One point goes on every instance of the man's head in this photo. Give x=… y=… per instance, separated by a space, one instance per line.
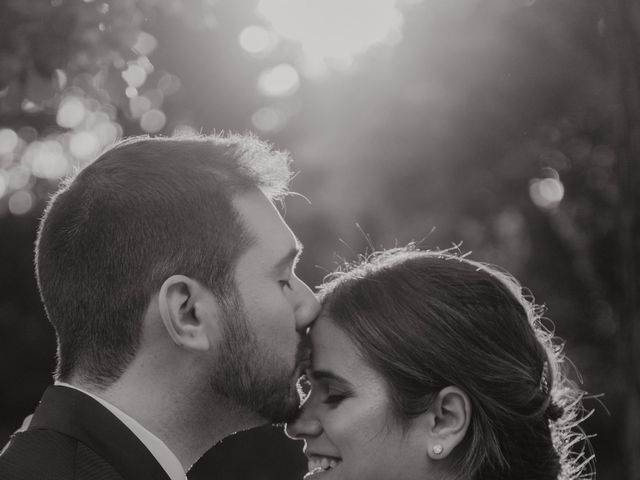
x=145 y=214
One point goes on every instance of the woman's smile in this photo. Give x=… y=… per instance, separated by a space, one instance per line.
x=319 y=464
x=347 y=421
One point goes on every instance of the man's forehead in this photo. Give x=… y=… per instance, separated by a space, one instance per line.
x=258 y=212
x=263 y=221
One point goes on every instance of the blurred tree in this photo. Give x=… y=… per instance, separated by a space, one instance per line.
x=624 y=22
x=73 y=76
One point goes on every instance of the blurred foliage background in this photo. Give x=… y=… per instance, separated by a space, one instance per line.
x=510 y=127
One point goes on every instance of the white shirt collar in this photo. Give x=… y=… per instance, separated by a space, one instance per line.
x=165 y=457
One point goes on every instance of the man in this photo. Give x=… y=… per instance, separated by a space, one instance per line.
x=168 y=275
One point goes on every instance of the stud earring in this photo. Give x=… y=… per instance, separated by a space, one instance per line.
x=437 y=449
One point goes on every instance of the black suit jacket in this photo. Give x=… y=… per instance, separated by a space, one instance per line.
x=73 y=437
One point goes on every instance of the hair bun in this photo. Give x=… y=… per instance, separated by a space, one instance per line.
x=554 y=412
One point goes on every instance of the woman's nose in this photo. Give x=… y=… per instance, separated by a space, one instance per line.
x=303 y=427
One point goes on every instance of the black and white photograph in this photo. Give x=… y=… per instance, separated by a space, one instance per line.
x=319 y=240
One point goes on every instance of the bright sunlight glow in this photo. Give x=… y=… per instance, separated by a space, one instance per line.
x=333 y=29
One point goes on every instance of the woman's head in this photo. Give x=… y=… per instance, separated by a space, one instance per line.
x=450 y=342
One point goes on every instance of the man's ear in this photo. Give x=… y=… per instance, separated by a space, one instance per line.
x=185 y=307
x=448 y=420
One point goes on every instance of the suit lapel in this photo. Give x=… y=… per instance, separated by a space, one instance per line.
x=79 y=416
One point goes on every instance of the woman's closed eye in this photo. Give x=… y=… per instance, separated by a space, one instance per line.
x=334 y=398
x=328 y=388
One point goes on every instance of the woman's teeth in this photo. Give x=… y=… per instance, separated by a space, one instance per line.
x=321 y=464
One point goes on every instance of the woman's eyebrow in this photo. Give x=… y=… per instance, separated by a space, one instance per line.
x=317 y=375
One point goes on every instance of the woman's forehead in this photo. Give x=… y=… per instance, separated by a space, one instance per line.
x=334 y=351
x=325 y=334
x=337 y=360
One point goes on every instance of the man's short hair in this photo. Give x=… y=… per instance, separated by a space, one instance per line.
x=146 y=209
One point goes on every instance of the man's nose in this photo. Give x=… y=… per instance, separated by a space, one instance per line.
x=307 y=307
x=303 y=427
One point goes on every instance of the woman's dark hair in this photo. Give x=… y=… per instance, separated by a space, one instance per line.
x=426 y=320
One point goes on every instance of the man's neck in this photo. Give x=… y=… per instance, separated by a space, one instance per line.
x=189 y=423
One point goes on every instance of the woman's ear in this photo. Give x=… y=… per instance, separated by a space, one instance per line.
x=448 y=417
x=185 y=308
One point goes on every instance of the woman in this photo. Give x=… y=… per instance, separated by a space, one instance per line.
x=431 y=366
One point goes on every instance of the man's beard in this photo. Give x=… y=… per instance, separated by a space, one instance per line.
x=250 y=377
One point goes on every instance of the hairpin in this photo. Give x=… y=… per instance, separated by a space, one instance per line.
x=544 y=379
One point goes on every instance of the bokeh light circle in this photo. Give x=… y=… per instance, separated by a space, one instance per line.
x=153 y=121
x=71 y=112
x=19 y=177
x=134 y=75
x=268 y=119
x=145 y=43
x=47 y=159
x=21 y=202
x=256 y=40
x=84 y=145
x=8 y=141
x=278 y=81
x=3 y=186
x=547 y=192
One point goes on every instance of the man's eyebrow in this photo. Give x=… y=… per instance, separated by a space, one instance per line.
x=317 y=375
x=292 y=256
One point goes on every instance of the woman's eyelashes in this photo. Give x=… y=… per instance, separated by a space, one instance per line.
x=335 y=398
x=324 y=390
